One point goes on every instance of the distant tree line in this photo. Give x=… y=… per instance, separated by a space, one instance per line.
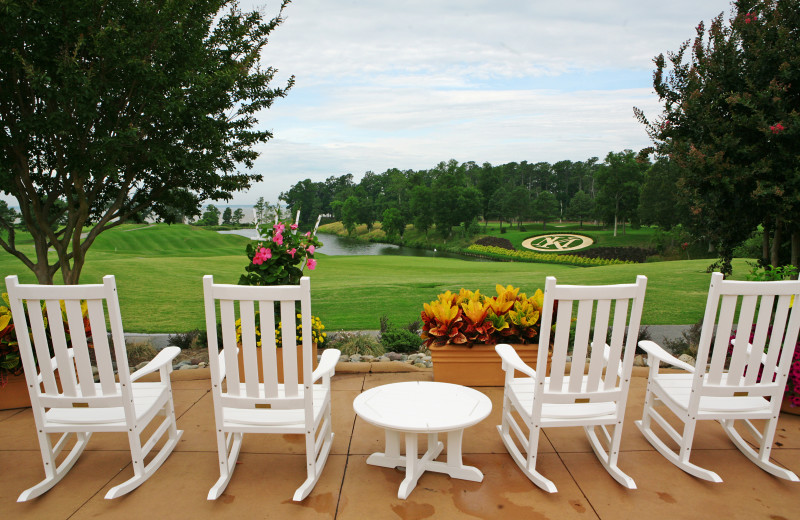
x=624 y=189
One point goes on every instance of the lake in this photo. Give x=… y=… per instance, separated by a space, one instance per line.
x=336 y=246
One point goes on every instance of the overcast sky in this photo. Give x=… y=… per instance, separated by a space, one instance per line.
x=409 y=83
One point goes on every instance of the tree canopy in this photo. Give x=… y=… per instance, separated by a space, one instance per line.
x=731 y=122
x=111 y=107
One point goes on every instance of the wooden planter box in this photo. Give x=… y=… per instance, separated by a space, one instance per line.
x=787 y=408
x=15 y=393
x=478 y=365
x=280 y=363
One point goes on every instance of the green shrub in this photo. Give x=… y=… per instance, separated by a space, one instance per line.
x=401 y=341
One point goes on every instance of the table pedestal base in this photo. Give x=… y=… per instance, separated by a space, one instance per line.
x=415 y=467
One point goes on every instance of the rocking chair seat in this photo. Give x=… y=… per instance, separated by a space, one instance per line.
x=522 y=390
x=148 y=398
x=678 y=388
x=293 y=420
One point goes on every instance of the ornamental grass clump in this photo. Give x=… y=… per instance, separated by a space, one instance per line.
x=469 y=317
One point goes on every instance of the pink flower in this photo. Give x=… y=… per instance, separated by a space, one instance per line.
x=311 y=249
x=279 y=227
x=293 y=226
x=262 y=255
x=777 y=128
x=292 y=251
x=278 y=239
x=308 y=233
x=312 y=263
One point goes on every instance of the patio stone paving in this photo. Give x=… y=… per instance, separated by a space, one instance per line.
x=272 y=466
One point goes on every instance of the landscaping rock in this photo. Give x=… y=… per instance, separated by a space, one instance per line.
x=686 y=358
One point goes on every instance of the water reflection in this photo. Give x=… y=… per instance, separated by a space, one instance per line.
x=335 y=245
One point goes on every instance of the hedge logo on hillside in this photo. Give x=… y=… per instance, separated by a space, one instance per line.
x=557 y=242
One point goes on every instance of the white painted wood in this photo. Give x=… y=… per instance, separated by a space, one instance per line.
x=578 y=398
x=728 y=394
x=423 y=407
x=251 y=405
x=85 y=406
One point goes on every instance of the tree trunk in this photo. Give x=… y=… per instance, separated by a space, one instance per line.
x=776 y=243
x=765 y=244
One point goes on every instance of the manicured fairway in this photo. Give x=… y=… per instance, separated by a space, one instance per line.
x=159 y=271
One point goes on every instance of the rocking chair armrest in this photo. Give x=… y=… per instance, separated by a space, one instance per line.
x=763 y=355
x=327 y=364
x=607 y=355
x=162 y=360
x=54 y=364
x=511 y=359
x=659 y=354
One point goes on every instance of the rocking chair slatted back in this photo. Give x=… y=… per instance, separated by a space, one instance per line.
x=607 y=362
x=765 y=312
x=249 y=388
x=71 y=346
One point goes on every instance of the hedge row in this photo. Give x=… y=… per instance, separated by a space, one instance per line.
x=497 y=253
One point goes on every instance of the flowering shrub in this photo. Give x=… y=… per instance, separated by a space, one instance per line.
x=532 y=256
x=281 y=259
x=318 y=334
x=792 y=391
x=468 y=317
x=9 y=348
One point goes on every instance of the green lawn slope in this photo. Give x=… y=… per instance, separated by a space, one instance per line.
x=159 y=272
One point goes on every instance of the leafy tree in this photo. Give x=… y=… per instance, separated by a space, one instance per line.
x=260 y=209
x=545 y=207
x=581 y=206
x=421 y=202
x=519 y=204
x=350 y=211
x=731 y=120
x=305 y=198
x=619 y=180
x=210 y=216
x=227 y=217
x=237 y=217
x=394 y=224
x=659 y=202
x=107 y=107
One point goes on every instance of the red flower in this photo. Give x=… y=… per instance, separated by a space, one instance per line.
x=777 y=128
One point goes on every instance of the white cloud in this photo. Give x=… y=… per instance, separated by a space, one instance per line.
x=408 y=84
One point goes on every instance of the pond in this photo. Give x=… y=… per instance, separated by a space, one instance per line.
x=335 y=245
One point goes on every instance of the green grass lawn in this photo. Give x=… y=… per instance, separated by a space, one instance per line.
x=159 y=272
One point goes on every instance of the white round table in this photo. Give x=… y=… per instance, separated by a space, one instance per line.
x=418 y=407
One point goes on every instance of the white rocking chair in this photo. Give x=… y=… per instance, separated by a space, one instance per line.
x=594 y=392
x=84 y=406
x=714 y=391
x=250 y=405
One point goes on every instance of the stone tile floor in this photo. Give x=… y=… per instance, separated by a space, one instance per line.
x=272 y=466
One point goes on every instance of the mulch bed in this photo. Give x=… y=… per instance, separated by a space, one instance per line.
x=496 y=242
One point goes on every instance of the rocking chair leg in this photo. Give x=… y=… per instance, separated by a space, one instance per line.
x=54 y=474
x=761 y=458
x=227 y=463
x=314 y=464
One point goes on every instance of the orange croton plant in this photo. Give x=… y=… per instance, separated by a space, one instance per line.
x=467 y=317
